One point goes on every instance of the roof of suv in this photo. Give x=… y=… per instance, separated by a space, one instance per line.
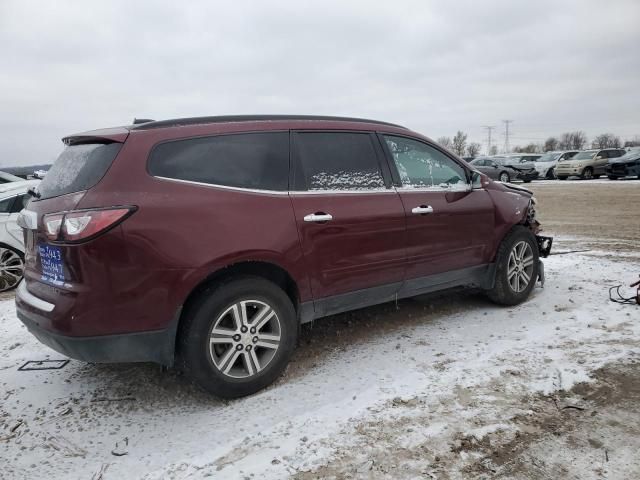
x=176 y=122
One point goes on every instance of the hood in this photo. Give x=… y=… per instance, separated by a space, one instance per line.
x=632 y=159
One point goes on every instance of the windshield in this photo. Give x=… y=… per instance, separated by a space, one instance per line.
x=632 y=155
x=549 y=157
x=585 y=155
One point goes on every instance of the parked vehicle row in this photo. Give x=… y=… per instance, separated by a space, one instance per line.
x=586 y=164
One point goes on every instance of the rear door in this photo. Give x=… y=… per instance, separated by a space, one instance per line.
x=449 y=225
x=350 y=220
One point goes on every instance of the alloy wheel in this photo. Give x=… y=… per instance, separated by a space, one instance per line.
x=504 y=177
x=520 y=266
x=11 y=269
x=244 y=338
x=587 y=174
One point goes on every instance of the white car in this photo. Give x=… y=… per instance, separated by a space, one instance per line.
x=546 y=164
x=13 y=195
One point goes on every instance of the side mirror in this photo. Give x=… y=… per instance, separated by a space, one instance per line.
x=476 y=180
x=599 y=157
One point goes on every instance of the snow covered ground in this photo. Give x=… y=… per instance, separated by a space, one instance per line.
x=430 y=388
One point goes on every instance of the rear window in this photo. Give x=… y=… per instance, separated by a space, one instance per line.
x=79 y=167
x=246 y=160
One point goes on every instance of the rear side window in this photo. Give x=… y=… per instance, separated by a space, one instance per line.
x=79 y=167
x=247 y=160
x=337 y=161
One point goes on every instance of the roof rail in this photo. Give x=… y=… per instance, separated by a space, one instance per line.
x=248 y=118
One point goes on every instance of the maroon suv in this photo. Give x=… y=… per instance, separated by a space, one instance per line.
x=205 y=242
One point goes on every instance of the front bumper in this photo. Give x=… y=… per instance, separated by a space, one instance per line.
x=154 y=346
x=527 y=176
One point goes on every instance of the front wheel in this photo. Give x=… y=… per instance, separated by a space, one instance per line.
x=238 y=337
x=11 y=268
x=561 y=178
x=611 y=177
x=504 y=177
x=517 y=267
x=587 y=173
x=551 y=174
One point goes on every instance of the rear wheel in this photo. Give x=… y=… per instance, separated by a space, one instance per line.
x=11 y=268
x=238 y=337
x=504 y=177
x=517 y=267
x=587 y=173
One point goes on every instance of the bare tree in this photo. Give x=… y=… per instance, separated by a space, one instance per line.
x=579 y=140
x=460 y=142
x=634 y=142
x=445 y=142
x=473 y=149
x=606 y=140
x=551 y=144
x=573 y=140
x=530 y=148
x=493 y=150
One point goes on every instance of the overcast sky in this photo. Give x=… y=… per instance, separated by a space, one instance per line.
x=436 y=67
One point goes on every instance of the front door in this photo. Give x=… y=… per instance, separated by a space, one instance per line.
x=449 y=225
x=350 y=220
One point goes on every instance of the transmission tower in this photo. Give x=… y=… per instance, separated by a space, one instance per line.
x=506 y=135
x=489 y=129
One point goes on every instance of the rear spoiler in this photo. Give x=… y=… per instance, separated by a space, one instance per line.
x=106 y=135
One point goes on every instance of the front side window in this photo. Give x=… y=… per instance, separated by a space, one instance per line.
x=337 y=161
x=422 y=166
x=247 y=160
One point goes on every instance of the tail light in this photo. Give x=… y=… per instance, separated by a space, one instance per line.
x=80 y=225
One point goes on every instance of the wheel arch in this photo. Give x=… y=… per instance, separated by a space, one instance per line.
x=257 y=268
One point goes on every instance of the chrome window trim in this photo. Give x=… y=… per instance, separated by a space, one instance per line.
x=30 y=299
x=468 y=188
x=339 y=192
x=224 y=187
x=274 y=192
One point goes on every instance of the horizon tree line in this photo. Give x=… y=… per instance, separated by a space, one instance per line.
x=576 y=140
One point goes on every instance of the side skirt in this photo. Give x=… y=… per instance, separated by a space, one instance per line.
x=481 y=276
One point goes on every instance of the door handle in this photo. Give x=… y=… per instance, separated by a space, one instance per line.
x=422 y=210
x=318 y=217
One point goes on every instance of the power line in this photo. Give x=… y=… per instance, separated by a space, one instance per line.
x=489 y=129
x=506 y=135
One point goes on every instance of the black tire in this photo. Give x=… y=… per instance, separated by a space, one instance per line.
x=551 y=174
x=561 y=178
x=195 y=356
x=611 y=177
x=504 y=177
x=503 y=292
x=597 y=176
x=526 y=181
x=587 y=173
